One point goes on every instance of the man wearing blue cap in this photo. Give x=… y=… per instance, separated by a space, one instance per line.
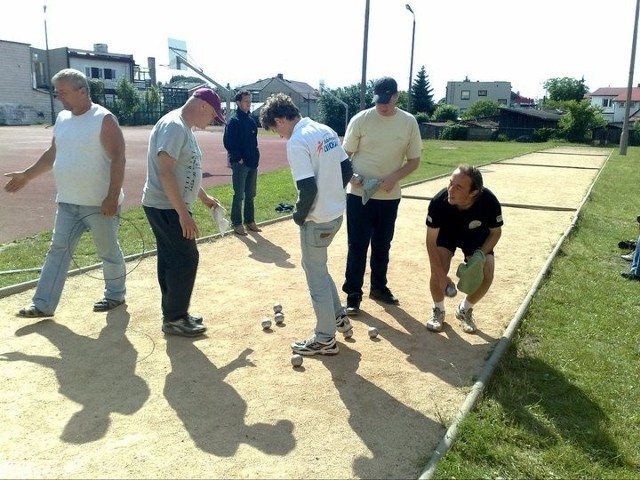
x=385 y=146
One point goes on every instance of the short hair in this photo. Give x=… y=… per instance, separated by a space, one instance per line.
x=240 y=94
x=278 y=105
x=74 y=77
x=474 y=174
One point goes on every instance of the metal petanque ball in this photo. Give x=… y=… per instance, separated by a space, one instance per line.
x=348 y=333
x=373 y=332
x=277 y=308
x=296 y=360
x=266 y=323
x=279 y=317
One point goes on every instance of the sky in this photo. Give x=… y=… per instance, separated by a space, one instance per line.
x=241 y=41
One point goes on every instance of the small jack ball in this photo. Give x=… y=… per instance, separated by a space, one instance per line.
x=266 y=324
x=373 y=332
x=296 y=360
x=279 y=317
x=277 y=308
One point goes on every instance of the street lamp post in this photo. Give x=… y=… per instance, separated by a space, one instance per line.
x=413 y=42
x=46 y=44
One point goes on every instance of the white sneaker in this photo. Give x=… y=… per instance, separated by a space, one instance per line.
x=466 y=319
x=437 y=320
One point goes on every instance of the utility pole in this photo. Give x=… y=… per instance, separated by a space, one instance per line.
x=363 y=82
x=624 y=138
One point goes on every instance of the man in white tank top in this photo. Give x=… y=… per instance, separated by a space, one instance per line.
x=87 y=156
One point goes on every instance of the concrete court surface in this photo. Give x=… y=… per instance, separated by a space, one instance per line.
x=89 y=395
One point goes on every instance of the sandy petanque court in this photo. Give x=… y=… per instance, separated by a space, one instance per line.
x=90 y=395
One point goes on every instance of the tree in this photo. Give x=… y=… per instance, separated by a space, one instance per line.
x=565 y=89
x=482 y=109
x=445 y=112
x=580 y=118
x=332 y=113
x=421 y=94
x=128 y=101
x=96 y=91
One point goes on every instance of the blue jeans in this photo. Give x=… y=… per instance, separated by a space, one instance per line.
x=177 y=266
x=315 y=239
x=244 y=181
x=635 y=261
x=373 y=223
x=71 y=222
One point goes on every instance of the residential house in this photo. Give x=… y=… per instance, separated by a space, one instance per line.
x=612 y=101
x=302 y=94
x=466 y=93
x=25 y=78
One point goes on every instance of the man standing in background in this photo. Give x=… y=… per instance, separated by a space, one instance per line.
x=241 y=141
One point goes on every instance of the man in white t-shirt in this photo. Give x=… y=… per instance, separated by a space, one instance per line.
x=321 y=169
x=87 y=156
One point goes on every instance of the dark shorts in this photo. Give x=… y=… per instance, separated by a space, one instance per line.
x=469 y=244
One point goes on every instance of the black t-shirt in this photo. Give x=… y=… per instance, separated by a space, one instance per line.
x=485 y=213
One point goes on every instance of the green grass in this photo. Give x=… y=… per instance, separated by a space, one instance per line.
x=564 y=401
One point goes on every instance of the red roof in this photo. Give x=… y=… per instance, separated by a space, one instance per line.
x=619 y=94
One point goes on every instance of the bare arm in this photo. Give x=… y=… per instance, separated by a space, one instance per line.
x=113 y=142
x=492 y=240
x=43 y=164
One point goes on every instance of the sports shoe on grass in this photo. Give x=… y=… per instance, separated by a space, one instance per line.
x=186 y=326
x=343 y=324
x=437 y=320
x=630 y=276
x=311 y=346
x=466 y=319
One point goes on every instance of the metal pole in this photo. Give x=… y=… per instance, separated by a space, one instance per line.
x=413 y=42
x=624 y=139
x=46 y=43
x=363 y=82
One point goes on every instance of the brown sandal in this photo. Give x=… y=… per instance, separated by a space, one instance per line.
x=106 y=304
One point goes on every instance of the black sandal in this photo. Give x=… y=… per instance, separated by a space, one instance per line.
x=32 y=312
x=106 y=304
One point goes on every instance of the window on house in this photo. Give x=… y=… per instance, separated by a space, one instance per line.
x=465 y=94
x=482 y=93
x=93 y=72
x=109 y=74
x=607 y=102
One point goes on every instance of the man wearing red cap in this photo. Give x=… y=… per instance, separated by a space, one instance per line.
x=174 y=176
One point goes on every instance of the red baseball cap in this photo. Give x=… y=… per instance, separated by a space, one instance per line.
x=212 y=98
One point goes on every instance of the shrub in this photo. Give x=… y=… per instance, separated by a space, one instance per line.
x=454 y=132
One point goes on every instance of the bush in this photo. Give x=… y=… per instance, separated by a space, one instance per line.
x=543 y=134
x=502 y=137
x=422 y=117
x=454 y=132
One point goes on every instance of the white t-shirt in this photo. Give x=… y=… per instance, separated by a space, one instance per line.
x=314 y=150
x=82 y=169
